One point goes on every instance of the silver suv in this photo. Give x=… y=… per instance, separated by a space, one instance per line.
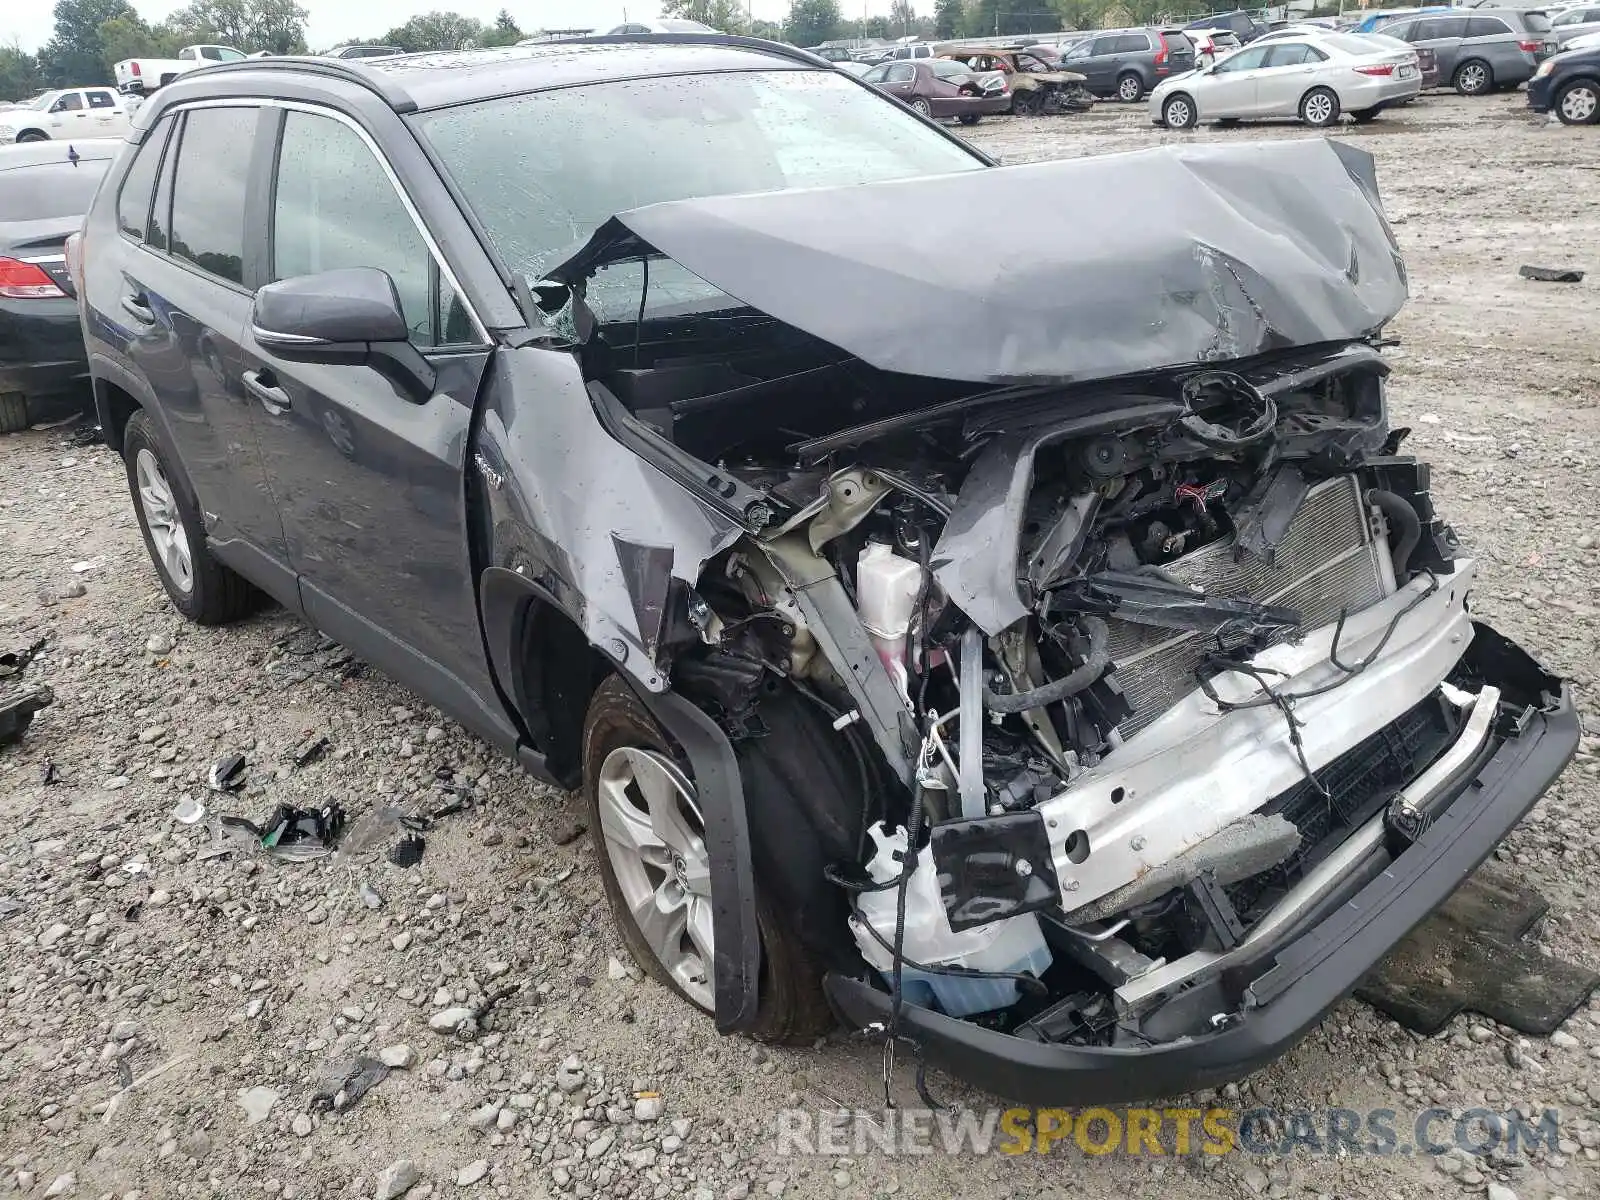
x=1480 y=51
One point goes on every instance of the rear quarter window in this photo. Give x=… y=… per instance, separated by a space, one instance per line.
x=139 y=185
x=1537 y=22
x=1486 y=27
x=1132 y=43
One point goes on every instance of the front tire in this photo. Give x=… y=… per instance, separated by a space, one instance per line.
x=33 y=135
x=1579 y=103
x=1130 y=88
x=200 y=587
x=655 y=868
x=1319 y=108
x=1474 y=78
x=1178 y=112
x=1026 y=103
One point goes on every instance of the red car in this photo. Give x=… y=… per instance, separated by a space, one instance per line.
x=940 y=88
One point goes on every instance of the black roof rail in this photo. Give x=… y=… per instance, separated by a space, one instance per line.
x=329 y=68
x=735 y=40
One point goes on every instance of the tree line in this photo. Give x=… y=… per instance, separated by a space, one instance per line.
x=91 y=35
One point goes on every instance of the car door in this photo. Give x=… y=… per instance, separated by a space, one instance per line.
x=900 y=80
x=1287 y=73
x=1443 y=36
x=369 y=479
x=69 y=117
x=184 y=304
x=107 y=114
x=1229 y=89
x=1100 y=62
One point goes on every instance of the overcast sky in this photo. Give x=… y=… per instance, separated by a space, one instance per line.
x=31 y=23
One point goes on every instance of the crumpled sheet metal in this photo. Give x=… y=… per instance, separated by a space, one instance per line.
x=1081 y=269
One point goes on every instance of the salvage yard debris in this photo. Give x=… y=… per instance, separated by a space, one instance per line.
x=1552 y=274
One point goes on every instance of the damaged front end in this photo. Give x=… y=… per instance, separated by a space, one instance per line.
x=1131 y=648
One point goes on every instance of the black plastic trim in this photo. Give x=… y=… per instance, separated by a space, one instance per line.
x=720 y=791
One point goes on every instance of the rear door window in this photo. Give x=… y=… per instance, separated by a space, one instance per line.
x=1132 y=43
x=208 y=192
x=1291 y=54
x=102 y=99
x=1448 y=27
x=139 y=185
x=1485 y=27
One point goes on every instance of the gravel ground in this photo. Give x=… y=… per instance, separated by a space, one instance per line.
x=225 y=988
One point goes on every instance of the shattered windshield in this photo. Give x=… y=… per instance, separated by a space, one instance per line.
x=543 y=171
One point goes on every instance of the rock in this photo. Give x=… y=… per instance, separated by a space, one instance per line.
x=841 y=1180
x=397 y=1178
x=481 y=1118
x=401 y=941
x=647 y=1108
x=352 y=1014
x=160 y=643
x=472 y=1172
x=671 y=1144
x=257 y=1102
x=570 y=1074
x=506 y=1120
x=196 y=1145
x=600 y=1144
x=615 y=969
x=54 y=934
x=301 y=1125
x=1480 y=1033
x=1563 y=1039
x=1499 y=1191
x=63 y=1185
x=401 y=1057
x=568 y=832
x=1255 y=1179
x=123 y=1031
x=449 y=1020
x=640 y=1159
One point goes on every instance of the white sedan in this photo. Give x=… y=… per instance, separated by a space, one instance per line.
x=1315 y=77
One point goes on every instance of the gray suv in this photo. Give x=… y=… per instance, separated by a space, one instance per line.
x=1127 y=63
x=1479 y=52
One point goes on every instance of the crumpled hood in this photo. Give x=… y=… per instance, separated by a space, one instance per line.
x=1081 y=269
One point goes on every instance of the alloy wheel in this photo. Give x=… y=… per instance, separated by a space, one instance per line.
x=1472 y=79
x=1178 y=114
x=1128 y=90
x=1319 y=109
x=923 y=107
x=162 y=519
x=653 y=833
x=1578 y=105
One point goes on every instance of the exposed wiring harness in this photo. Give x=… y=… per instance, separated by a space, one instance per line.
x=1094 y=665
x=1213 y=665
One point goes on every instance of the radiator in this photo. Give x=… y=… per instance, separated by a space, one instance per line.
x=1329 y=560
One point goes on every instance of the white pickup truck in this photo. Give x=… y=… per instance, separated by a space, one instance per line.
x=141 y=75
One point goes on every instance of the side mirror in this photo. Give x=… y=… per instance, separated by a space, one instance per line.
x=350 y=316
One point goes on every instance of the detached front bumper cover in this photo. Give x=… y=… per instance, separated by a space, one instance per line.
x=1314 y=968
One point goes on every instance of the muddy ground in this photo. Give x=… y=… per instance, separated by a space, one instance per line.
x=223 y=988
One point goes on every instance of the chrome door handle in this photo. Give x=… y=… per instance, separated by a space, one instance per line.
x=273 y=398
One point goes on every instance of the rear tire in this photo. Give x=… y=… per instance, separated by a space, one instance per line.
x=617 y=731
x=1474 y=78
x=1362 y=116
x=922 y=107
x=204 y=590
x=1178 y=112
x=1319 y=108
x=13 y=412
x=1579 y=103
x=1130 y=88
x=971 y=118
